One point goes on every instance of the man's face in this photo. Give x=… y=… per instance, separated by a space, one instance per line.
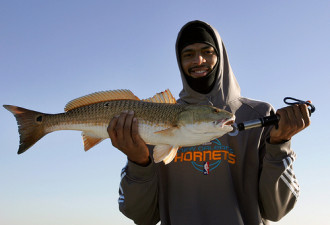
x=198 y=59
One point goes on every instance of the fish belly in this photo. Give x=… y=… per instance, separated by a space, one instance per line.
x=148 y=131
x=151 y=134
x=93 y=130
x=165 y=135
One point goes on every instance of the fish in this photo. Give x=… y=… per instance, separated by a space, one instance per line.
x=162 y=122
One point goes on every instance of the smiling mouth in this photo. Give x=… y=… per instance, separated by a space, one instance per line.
x=199 y=71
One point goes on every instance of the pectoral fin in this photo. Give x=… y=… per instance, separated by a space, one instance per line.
x=167 y=132
x=164 y=153
x=89 y=141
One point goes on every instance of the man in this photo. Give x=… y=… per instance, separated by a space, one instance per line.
x=248 y=177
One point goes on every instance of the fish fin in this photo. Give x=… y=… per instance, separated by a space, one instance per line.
x=167 y=132
x=30 y=126
x=164 y=153
x=162 y=97
x=89 y=141
x=171 y=156
x=101 y=96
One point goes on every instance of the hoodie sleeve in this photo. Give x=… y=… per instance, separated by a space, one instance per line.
x=278 y=187
x=138 y=193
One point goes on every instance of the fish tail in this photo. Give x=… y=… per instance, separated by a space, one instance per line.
x=30 y=126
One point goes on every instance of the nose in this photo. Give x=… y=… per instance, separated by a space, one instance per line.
x=199 y=59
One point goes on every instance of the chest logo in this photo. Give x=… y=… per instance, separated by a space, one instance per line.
x=207 y=157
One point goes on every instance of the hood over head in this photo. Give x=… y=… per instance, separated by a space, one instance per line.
x=224 y=86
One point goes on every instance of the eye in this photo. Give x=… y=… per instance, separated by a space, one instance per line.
x=209 y=51
x=186 y=55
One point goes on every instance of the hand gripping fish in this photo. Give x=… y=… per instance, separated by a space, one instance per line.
x=162 y=122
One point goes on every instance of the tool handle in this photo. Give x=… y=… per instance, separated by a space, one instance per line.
x=261 y=122
x=294 y=101
x=273 y=118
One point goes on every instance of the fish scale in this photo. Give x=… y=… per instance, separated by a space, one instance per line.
x=104 y=112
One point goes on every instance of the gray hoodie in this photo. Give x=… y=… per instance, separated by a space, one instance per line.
x=237 y=179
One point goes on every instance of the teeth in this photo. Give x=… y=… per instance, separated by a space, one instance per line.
x=224 y=122
x=229 y=123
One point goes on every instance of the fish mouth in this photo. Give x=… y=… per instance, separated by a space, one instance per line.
x=225 y=122
x=229 y=122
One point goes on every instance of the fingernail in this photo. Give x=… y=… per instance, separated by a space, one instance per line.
x=131 y=112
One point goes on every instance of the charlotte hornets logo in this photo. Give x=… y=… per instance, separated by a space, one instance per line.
x=205 y=158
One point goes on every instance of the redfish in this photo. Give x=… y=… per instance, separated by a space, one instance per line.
x=161 y=121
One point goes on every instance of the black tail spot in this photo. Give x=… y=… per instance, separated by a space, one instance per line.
x=39 y=119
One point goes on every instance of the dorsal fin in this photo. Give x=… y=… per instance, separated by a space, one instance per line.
x=101 y=96
x=162 y=97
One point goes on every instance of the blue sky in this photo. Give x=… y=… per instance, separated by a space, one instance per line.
x=54 y=51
